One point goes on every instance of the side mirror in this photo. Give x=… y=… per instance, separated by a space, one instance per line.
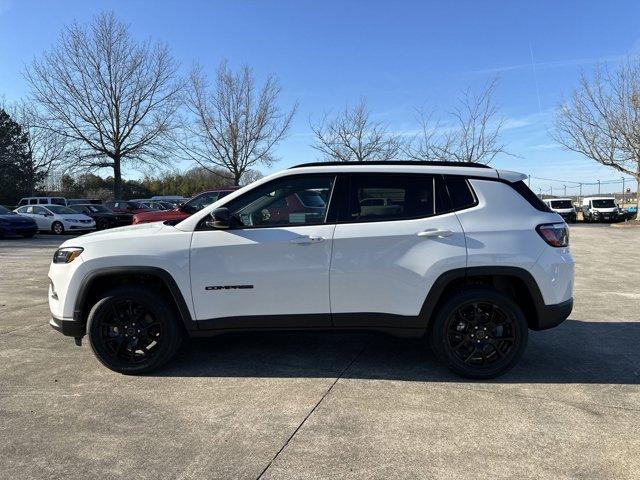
x=221 y=218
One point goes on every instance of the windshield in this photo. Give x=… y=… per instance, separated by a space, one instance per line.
x=5 y=211
x=561 y=204
x=604 y=203
x=98 y=208
x=136 y=205
x=60 y=209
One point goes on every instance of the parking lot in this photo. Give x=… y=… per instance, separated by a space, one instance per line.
x=327 y=405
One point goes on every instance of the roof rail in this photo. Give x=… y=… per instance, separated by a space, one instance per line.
x=395 y=162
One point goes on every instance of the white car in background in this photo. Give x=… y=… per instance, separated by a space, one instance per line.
x=57 y=218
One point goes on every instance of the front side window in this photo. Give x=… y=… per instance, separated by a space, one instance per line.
x=289 y=201
x=384 y=197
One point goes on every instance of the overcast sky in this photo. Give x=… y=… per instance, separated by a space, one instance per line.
x=398 y=55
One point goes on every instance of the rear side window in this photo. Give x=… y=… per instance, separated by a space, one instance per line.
x=526 y=193
x=460 y=192
x=384 y=197
x=59 y=201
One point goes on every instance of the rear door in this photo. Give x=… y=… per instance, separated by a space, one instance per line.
x=395 y=236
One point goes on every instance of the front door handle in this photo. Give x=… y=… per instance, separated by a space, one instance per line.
x=435 y=232
x=307 y=240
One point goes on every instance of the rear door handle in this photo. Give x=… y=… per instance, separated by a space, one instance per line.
x=435 y=232
x=307 y=240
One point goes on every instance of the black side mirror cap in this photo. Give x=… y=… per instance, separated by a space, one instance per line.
x=221 y=218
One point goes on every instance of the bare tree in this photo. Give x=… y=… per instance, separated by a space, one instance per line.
x=601 y=120
x=115 y=98
x=472 y=135
x=353 y=136
x=48 y=149
x=232 y=124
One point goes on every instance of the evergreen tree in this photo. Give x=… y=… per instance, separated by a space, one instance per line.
x=18 y=174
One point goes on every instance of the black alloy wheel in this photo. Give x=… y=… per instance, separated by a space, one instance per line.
x=57 y=228
x=133 y=330
x=479 y=333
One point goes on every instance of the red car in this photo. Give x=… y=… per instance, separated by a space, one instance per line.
x=191 y=206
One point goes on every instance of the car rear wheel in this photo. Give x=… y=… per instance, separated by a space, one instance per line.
x=133 y=330
x=479 y=333
x=57 y=228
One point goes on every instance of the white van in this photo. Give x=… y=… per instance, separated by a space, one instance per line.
x=563 y=207
x=600 y=209
x=43 y=201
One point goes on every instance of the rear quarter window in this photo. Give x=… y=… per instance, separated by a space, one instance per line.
x=526 y=193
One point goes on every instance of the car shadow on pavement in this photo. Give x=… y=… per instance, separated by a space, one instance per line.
x=574 y=352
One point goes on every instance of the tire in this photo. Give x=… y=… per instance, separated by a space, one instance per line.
x=133 y=330
x=490 y=319
x=102 y=224
x=57 y=228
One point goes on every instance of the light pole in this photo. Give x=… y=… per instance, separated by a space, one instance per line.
x=565 y=190
x=622 y=192
x=551 y=190
x=598 y=187
x=580 y=194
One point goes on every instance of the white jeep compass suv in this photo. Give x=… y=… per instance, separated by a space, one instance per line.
x=463 y=255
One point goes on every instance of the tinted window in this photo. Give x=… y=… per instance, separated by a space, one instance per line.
x=58 y=201
x=43 y=201
x=23 y=202
x=460 y=192
x=393 y=197
x=526 y=193
x=279 y=203
x=33 y=201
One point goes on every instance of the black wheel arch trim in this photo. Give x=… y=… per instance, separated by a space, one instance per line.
x=546 y=316
x=163 y=275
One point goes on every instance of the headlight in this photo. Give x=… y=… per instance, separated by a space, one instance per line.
x=71 y=220
x=67 y=254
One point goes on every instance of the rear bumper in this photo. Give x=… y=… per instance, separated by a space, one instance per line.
x=550 y=316
x=69 y=328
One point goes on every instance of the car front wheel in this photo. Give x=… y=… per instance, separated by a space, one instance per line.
x=479 y=333
x=57 y=228
x=133 y=330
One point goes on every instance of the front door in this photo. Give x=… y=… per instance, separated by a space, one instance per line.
x=268 y=270
x=396 y=237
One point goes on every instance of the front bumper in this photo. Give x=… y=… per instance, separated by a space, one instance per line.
x=70 y=328
x=550 y=316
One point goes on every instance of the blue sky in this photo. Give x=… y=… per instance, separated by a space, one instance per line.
x=398 y=55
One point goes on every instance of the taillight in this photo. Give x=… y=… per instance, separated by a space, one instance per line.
x=555 y=234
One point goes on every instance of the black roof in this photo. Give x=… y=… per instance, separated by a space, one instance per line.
x=396 y=162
